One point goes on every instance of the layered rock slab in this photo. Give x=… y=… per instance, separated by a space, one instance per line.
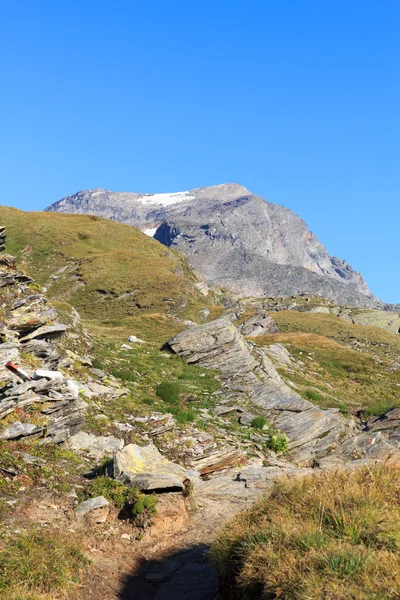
x=250 y=377
x=145 y=468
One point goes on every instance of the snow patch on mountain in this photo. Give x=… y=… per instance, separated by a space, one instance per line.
x=150 y=232
x=165 y=199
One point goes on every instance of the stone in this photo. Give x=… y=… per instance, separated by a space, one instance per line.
x=132 y=339
x=218 y=461
x=246 y=418
x=18 y=430
x=46 y=374
x=97 y=508
x=46 y=332
x=223 y=410
x=204 y=314
x=43 y=349
x=98 y=373
x=280 y=355
x=261 y=324
x=145 y=468
x=96 y=446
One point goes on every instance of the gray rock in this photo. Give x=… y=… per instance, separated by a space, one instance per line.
x=98 y=373
x=260 y=324
x=251 y=377
x=96 y=446
x=146 y=469
x=18 y=430
x=46 y=332
x=94 y=505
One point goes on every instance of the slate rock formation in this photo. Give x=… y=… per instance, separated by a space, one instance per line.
x=234 y=238
x=251 y=380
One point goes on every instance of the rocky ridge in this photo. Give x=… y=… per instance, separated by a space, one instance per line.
x=234 y=238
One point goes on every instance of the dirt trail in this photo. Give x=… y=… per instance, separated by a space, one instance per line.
x=172 y=561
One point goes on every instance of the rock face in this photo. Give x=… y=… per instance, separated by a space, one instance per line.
x=25 y=329
x=252 y=382
x=317 y=437
x=234 y=238
x=260 y=324
x=145 y=468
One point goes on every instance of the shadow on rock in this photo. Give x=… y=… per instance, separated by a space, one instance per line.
x=181 y=575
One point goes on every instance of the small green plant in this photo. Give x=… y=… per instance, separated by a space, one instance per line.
x=313 y=395
x=124 y=374
x=121 y=495
x=168 y=391
x=259 y=422
x=184 y=416
x=97 y=364
x=278 y=442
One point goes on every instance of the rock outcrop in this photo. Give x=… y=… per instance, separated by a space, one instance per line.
x=317 y=437
x=251 y=380
x=234 y=238
x=29 y=326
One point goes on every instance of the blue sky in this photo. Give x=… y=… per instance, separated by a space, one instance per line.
x=298 y=100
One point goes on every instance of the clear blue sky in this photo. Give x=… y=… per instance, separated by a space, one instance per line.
x=298 y=100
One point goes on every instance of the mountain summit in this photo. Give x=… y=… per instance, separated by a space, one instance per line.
x=234 y=238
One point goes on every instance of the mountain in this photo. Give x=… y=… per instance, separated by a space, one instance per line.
x=234 y=238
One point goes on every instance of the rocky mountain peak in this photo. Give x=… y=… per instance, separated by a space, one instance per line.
x=234 y=238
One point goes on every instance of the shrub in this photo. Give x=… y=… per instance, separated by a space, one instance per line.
x=334 y=535
x=121 y=495
x=185 y=416
x=278 y=442
x=124 y=374
x=259 y=422
x=313 y=395
x=168 y=391
x=35 y=563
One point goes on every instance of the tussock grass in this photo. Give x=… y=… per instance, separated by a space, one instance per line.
x=335 y=536
x=374 y=339
x=333 y=372
x=36 y=565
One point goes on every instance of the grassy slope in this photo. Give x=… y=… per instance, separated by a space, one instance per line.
x=335 y=536
x=341 y=365
x=111 y=273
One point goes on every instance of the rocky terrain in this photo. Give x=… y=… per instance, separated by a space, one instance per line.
x=234 y=239
x=141 y=422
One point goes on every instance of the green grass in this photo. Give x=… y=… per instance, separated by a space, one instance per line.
x=35 y=563
x=313 y=395
x=259 y=422
x=113 y=272
x=121 y=495
x=331 y=536
x=333 y=373
x=159 y=382
x=169 y=391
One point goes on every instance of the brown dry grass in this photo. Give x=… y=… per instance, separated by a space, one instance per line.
x=335 y=536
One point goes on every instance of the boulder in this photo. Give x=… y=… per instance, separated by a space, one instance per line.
x=18 y=430
x=46 y=374
x=260 y=324
x=145 y=468
x=96 y=509
x=46 y=332
x=96 y=446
